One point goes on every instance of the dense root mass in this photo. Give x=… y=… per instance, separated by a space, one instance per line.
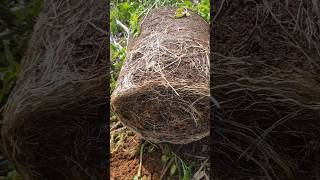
x=266 y=69
x=163 y=88
x=54 y=119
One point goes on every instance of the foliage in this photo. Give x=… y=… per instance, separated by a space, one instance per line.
x=181 y=12
x=176 y=164
x=13 y=175
x=16 y=24
x=17 y=18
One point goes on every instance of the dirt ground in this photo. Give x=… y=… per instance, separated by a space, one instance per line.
x=124 y=163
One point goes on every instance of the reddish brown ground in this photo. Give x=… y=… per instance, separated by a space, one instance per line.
x=125 y=162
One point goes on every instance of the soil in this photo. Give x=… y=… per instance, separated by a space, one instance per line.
x=124 y=163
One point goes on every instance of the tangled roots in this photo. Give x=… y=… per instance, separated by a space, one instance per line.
x=266 y=69
x=54 y=119
x=163 y=88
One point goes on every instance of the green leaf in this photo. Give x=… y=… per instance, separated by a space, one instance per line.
x=21 y=13
x=179 y=13
x=166 y=150
x=151 y=148
x=136 y=177
x=9 y=56
x=186 y=171
x=203 y=9
x=13 y=175
x=188 y=4
x=36 y=8
x=173 y=169
x=134 y=24
x=164 y=158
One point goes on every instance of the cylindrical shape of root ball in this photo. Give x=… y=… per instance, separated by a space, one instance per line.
x=163 y=88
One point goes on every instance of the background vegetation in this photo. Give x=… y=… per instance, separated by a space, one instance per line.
x=17 y=18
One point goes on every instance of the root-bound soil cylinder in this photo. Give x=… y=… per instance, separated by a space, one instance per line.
x=163 y=87
x=54 y=120
x=266 y=69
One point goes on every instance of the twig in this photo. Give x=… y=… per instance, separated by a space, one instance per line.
x=140 y=163
x=113 y=41
x=123 y=27
x=117 y=125
x=166 y=168
x=118 y=130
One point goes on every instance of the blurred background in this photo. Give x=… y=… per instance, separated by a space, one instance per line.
x=17 y=18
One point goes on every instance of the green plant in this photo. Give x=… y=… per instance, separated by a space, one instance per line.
x=13 y=175
x=138 y=175
x=16 y=24
x=8 y=72
x=175 y=164
x=117 y=140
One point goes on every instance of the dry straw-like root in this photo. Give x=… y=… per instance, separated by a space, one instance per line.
x=54 y=119
x=163 y=87
x=266 y=79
